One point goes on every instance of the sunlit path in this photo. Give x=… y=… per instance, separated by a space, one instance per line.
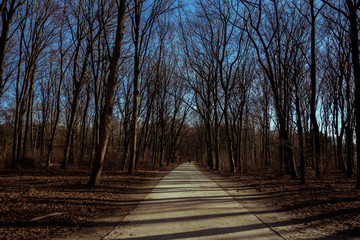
x=188 y=205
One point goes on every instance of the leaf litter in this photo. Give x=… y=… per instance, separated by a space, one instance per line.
x=46 y=203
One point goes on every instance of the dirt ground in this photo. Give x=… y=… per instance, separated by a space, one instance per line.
x=47 y=203
x=329 y=208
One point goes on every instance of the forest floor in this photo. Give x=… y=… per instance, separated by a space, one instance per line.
x=329 y=208
x=47 y=203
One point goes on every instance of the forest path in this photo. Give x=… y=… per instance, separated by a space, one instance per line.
x=186 y=204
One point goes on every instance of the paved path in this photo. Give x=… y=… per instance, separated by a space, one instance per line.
x=188 y=205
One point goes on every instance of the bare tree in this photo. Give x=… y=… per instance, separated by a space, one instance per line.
x=63 y=67
x=83 y=45
x=106 y=115
x=353 y=8
x=314 y=12
x=7 y=11
x=35 y=36
x=269 y=51
x=244 y=78
x=142 y=31
x=350 y=10
x=202 y=48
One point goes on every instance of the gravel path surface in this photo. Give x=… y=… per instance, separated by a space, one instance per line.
x=186 y=204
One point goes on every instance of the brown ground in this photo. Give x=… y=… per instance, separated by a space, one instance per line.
x=45 y=203
x=52 y=203
x=330 y=207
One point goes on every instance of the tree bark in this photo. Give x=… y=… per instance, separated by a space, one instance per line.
x=229 y=138
x=354 y=43
x=106 y=116
x=315 y=127
x=300 y=136
x=135 y=112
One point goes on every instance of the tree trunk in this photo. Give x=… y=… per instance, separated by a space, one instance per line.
x=69 y=131
x=154 y=146
x=84 y=129
x=125 y=145
x=354 y=43
x=315 y=127
x=217 y=146
x=106 y=116
x=58 y=101
x=134 y=120
x=286 y=146
x=239 y=145
x=349 y=131
x=349 y=151
x=229 y=139
x=300 y=136
x=209 y=144
x=28 y=116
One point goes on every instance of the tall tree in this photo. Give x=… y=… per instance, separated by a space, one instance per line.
x=353 y=8
x=107 y=112
x=269 y=51
x=143 y=19
x=39 y=36
x=315 y=128
x=63 y=50
x=350 y=11
x=82 y=47
x=35 y=36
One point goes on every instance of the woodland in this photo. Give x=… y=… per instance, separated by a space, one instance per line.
x=240 y=85
x=262 y=87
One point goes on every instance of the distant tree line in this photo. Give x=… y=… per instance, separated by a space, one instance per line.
x=240 y=85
